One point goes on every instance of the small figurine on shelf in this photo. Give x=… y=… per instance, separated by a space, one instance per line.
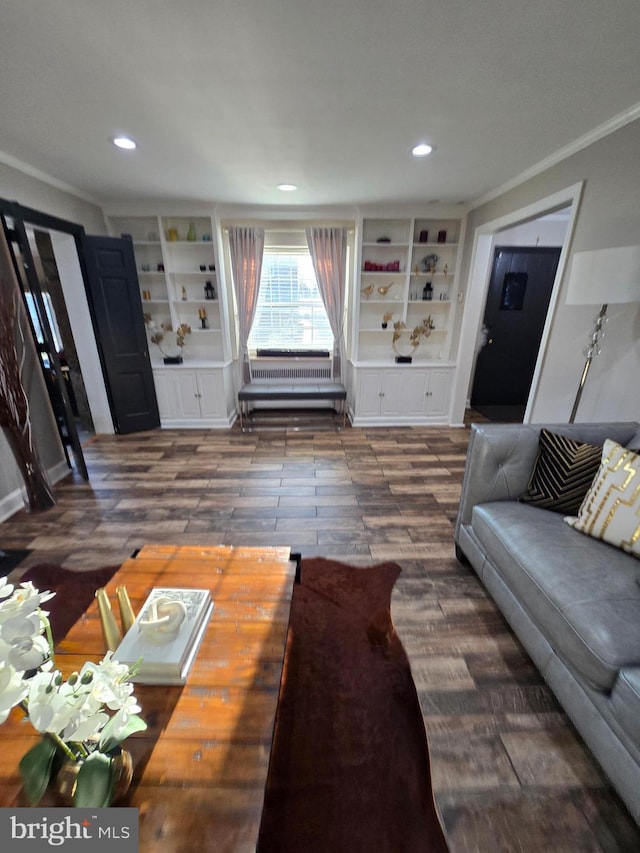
x=427 y=292
x=209 y=291
x=368 y=290
x=384 y=289
x=387 y=319
x=184 y=294
x=428 y=263
x=202 y=314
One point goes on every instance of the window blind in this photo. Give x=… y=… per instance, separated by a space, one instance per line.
x=290 y=313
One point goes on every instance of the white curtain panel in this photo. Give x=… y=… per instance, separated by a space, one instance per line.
x=246 y=247
x=328 y=250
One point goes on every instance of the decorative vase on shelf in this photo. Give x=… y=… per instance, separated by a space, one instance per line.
x=191 y=233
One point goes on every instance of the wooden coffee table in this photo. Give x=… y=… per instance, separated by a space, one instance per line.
x=201 y=767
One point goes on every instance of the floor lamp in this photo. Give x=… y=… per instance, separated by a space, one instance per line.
x=602 y=277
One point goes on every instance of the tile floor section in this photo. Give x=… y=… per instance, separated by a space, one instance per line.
x=509 y=772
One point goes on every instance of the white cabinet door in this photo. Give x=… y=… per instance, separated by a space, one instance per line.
x=187 y=394
x=211 y=394
x=177 y=393
x=414 y=388
x=438 y=392
x=391 y=401
x=369 y=393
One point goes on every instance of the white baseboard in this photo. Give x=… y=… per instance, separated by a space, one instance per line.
x=13 y=502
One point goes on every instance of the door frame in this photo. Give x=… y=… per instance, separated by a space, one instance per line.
x=484 y=239
x=25 y=273
x=67 y=237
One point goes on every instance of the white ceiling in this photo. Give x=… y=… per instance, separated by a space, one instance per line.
x=227 y=98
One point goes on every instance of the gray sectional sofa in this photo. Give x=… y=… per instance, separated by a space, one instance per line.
x=573 y=601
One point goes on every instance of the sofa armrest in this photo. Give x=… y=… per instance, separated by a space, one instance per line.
x=500 y=458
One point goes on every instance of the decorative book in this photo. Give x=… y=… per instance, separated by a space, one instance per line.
x=166 y=635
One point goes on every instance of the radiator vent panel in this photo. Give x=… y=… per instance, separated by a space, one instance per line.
x=288 y=373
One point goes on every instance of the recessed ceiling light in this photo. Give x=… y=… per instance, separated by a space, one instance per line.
x=123 y=142
x=422 y=150
x=287 y=188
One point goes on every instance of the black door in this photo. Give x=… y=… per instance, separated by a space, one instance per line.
x=120 y=332
x=517 y=302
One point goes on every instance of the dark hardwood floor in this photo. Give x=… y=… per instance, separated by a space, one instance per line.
x=509 y=772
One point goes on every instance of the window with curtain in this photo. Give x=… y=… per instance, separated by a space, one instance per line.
x=290 y=313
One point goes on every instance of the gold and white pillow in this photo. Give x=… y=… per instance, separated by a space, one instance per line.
x=611 y=508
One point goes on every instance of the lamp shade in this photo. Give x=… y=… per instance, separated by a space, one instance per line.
x=605 y=276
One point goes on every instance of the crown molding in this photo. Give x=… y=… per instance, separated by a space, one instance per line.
x=32 y=172
x=597 y=133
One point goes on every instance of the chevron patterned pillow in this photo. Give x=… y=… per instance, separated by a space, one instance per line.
x=611 y=508
x=562 y=474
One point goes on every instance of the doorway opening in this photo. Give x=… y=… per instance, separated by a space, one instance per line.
x=518 y=296
x=511 y=229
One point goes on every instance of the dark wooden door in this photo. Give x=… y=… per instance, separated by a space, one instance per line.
x=120 y=332
x=517 y=302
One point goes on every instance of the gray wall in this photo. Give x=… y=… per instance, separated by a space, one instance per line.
x=31 y=192
x=609 y=216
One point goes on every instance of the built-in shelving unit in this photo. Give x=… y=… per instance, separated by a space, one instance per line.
x=407 y=281
x=179 y=286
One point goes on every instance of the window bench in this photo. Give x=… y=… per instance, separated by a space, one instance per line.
x=272 y=392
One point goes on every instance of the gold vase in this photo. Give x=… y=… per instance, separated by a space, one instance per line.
x=66 y=779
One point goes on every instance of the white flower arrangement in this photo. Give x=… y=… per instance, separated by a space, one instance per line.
x=83 y=719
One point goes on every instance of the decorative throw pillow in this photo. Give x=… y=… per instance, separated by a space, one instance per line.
x=611 y=508
x=563 y=471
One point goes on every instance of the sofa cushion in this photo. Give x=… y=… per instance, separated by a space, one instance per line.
x=611 y=508
x=634 y=443
x=582 y=593
x=563 y=472
x=625 y=698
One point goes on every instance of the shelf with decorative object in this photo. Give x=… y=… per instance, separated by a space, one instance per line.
x=402 y=337
x=177 y=269
x=177 y=273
